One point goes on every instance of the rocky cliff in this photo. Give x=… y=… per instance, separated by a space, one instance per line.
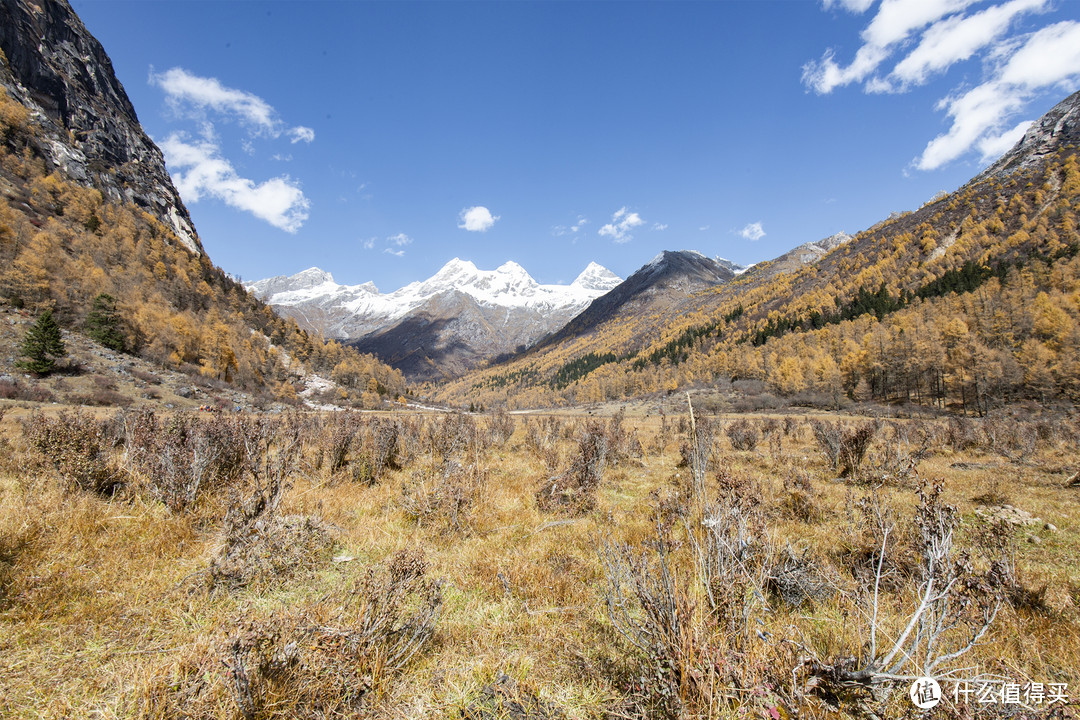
x=53 y=66
x=1060 y=126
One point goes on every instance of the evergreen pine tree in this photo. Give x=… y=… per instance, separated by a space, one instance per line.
x=103 y=323
x=42 y=345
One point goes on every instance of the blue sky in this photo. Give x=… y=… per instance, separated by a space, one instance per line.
x=377 y=140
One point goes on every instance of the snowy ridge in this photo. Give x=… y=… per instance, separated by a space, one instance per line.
x=360 y=309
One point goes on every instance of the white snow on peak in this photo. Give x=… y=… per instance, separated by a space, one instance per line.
x=596 y=277
x=509 y=285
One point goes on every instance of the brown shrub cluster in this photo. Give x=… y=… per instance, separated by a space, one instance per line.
x=312 y=663
x=574 y=490
x=78 y=448
x=843 y=446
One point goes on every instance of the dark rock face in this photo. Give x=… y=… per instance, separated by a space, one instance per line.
x=58 y=70
x=1060 y=126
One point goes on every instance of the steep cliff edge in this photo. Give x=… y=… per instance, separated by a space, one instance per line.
x=53 y=66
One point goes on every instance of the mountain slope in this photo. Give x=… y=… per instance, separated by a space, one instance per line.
x=440 y=326
x=87 y=125
x=969 y=301
x=86 y=207
x=661 y=283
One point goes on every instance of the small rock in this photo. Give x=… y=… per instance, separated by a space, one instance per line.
x=1051 y=527
x=1034 y=540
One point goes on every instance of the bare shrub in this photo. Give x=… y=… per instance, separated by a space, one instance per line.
x=500 y=426
x=843 y=447
x=743 y=434
x=772 y=432
x=183 y=456
x=798 y=579
x=895 y=457
x=542 y=440
x=147 y=377
x=691 y=649
x=445 y=498
x=378 y=450
x=801 y=498
x=309 y=663
x=32 y=392
x=960 y=434
x=258 y=545
x=697 y=450
x=792 y=427
x=452 y=435
x=271 y=552
x=653 y=611
x=877 y=548
x=731 y=555
x=955 y=604
x=362 y=448
x=100 y=398
x=335 y=440
x=1013 y=440
x=663 y=434
x=575 y=488
x=77 y=446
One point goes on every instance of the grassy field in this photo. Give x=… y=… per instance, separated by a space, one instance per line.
x=407 y=565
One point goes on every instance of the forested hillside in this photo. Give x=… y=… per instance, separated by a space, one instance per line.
x=969 y=302
x=62 y=244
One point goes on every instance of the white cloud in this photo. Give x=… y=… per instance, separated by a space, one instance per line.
x=395 y=253
x=958 y=38
x=1048 y=58
x=855 y=6
x=703 y=228
x=301 y=133
x=369 y=243
x=660 y=226
x=622 y=222
x=401 y=239
x=198 y=168
x=934 y=35
x=753 y=231
x=995 y=147
x=894 y=22
x=476 y=219
x=181 y=87
x=561 y=230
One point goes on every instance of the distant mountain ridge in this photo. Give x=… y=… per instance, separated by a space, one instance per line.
x=440 y=326
x=665 y=280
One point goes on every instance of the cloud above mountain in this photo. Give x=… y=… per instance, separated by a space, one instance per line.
x=200 y=167
x=476 y=219
x=908 y=43
x=622 y=222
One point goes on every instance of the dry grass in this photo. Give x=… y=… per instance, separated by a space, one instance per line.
x=101 y=613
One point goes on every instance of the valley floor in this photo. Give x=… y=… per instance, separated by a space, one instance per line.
x=532 y=567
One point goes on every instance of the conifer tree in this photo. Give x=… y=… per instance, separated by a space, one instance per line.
x=103 y=323
x=42 y=345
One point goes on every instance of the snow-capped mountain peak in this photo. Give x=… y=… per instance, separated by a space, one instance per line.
x=353 y=311
x=596 y=277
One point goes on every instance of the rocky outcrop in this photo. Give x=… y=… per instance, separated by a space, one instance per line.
x=59 y=71
x=1060 y=126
